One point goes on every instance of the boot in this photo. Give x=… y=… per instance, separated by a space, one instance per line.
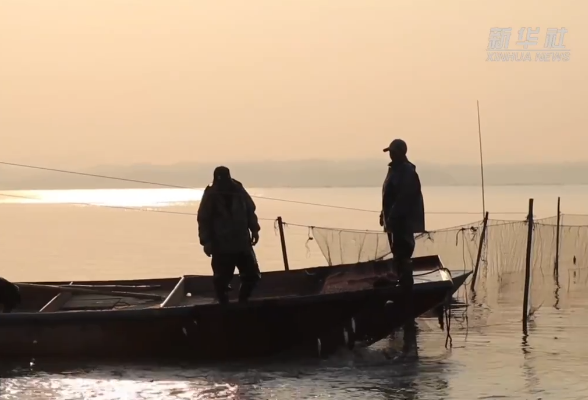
x=222 y=297
x=406 y=282
x=405 y=274
x=245 y=291
x=222 y=293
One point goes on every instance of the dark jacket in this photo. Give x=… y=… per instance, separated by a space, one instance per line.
x=226 y=220
x=402 y=199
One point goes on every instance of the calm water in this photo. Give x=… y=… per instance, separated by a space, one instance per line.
x=52 y=238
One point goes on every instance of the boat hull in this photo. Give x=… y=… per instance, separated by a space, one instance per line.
x=378 y=321
x=289 y=309
x=201 y=333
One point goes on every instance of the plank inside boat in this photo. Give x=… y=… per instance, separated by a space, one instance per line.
x=103 y=302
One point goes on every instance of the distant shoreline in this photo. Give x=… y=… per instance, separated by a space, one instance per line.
x=302 y=174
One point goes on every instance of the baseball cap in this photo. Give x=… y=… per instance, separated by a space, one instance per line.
x=398 y=145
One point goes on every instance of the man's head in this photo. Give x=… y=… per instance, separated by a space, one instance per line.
x=397 y=149
x=222 y=178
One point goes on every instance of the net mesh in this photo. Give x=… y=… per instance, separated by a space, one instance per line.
x=501 y=274
x=456 y=246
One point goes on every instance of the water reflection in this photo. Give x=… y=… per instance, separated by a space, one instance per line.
x=363 y=373
x=556 y=295
x=105 y=197
x=531 y=377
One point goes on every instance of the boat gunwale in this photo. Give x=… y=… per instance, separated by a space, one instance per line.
x=187 y=310
x=417 y=262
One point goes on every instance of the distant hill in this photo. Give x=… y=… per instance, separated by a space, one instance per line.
x=303 y=173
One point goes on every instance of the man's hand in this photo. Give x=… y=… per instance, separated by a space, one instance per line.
x=254 y=238
x=207 y=249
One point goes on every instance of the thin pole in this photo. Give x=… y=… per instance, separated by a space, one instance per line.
x=481 y=160
x=480 y=247
x=556 y=264
x=283 y=242
x=528 y=266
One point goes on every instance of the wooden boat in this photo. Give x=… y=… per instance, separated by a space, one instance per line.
x=178 y=318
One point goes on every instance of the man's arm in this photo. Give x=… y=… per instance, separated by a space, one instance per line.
x=386 y=199
x=406 y=193
x=205 y=218
x=252 y=219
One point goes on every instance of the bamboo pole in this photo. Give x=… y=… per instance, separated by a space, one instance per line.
x=480 y=248
x=481 y=159
x=283 y=242
x=556 y=263
x=528 y=267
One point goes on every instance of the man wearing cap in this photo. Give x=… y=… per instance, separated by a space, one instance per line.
x=403 y=212
x=228 y=229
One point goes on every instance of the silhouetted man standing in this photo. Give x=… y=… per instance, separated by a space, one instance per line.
x=403 y=212
x=403 y=215
x=228 y=229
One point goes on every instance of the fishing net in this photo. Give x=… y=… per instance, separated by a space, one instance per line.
x=560 y=277
x=456 y=246
x=500 y=282
x=348 y=246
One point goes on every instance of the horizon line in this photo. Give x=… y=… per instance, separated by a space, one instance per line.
x=338 y=160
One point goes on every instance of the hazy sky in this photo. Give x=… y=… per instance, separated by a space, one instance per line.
x=164 y=81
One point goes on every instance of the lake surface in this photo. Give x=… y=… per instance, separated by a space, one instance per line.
x=58 y=235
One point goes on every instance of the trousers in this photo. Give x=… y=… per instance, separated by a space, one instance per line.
x=223 y=268
x=402 y=244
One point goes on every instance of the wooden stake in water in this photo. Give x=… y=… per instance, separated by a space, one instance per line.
x=481 y=160
x=480 y=248
x=556 y=263
x=283 y=242
x=528 y=266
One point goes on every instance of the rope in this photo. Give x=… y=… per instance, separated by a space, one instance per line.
x=257 y=197
x=448 y=338
x=285 y=224
x=428 y=272
x=447 y=312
